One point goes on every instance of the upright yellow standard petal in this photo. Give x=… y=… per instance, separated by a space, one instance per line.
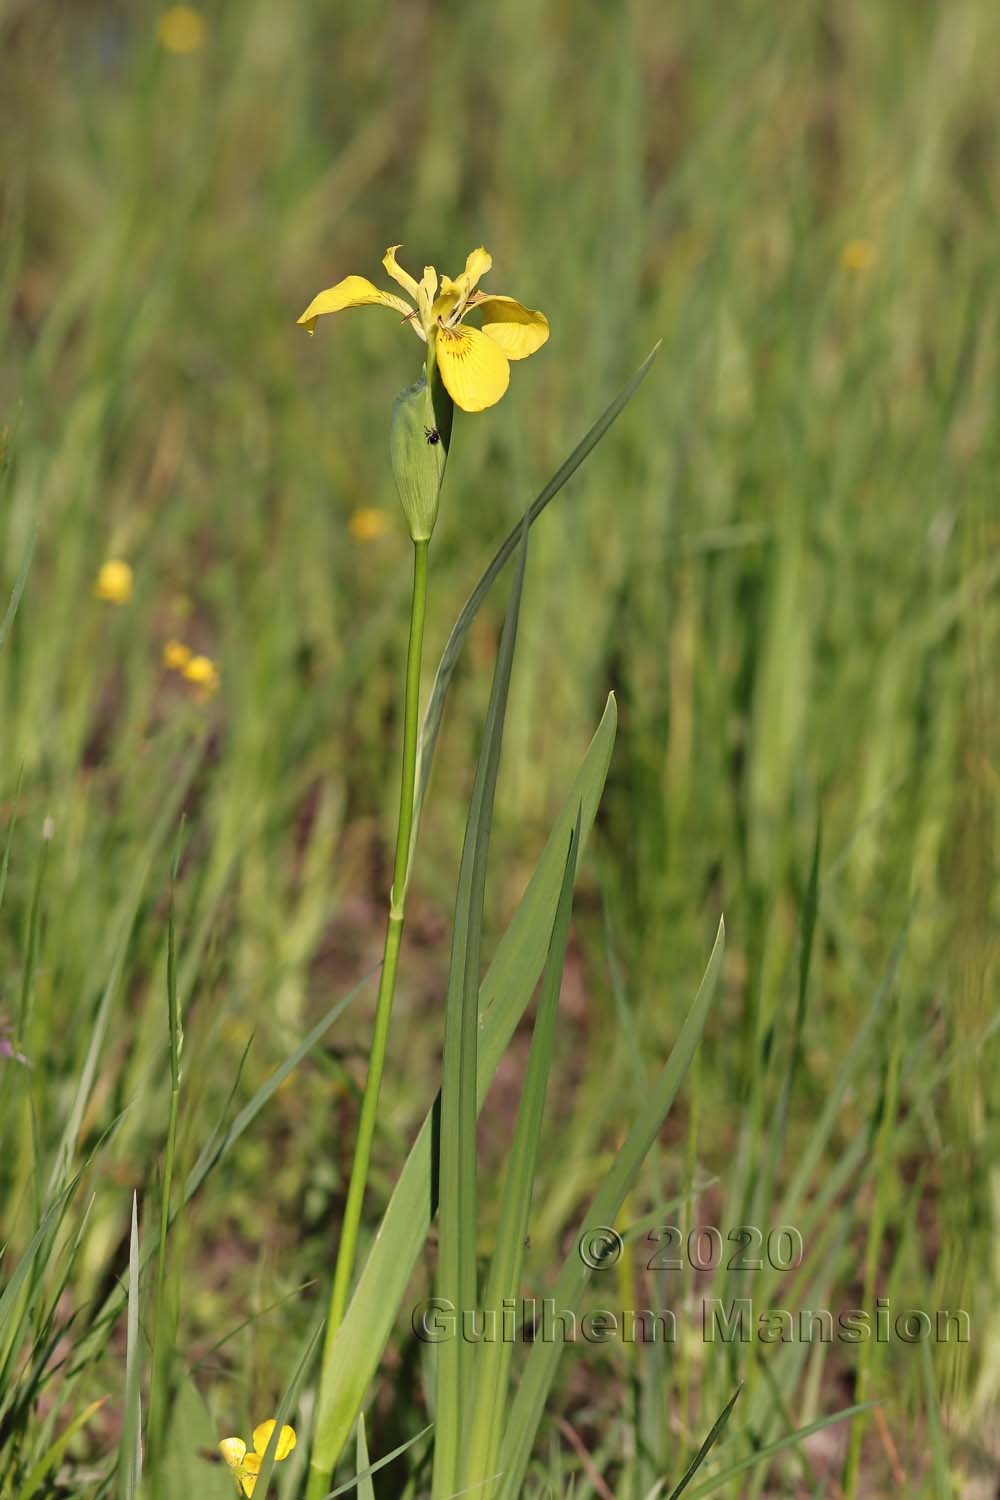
x=395 y=270
x=477 y=263
x=447 y=300
x=518 y=330
x=262 y=1436
x=474 y=368
x=353 y=291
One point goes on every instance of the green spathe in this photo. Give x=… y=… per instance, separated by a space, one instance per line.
x=419 y=435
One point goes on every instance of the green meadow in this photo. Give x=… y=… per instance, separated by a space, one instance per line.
x=741 y=667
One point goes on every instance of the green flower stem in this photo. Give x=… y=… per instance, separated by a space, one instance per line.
x=323 y=1460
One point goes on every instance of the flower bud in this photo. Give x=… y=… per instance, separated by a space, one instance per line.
x=419 y=436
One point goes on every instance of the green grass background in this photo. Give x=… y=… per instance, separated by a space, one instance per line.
x=783 y=560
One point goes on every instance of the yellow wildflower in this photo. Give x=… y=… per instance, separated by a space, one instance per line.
x=202 y=672
x=858 y=255
x=245 y=1465
x=114 y=581
x=474 y=363
x=180 y=30
x=176 y=656
x=367 y=523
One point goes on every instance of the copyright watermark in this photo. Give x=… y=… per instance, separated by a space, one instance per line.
x=600 y=1247
x=739 y=1321
x=746 y=1247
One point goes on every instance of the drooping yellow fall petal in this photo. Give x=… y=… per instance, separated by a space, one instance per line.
x=474 y=368
x=518 y=330
x=353 y=291
x=262 y=1436
x=402 y=278
x=248 y=1471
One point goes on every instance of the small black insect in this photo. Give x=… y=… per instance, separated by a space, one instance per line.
x=432 y=435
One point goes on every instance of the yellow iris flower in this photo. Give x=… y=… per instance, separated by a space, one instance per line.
x=474 y=362
x=245 y=1466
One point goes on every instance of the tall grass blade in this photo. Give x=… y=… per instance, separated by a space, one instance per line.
x=777 y=1126
x=130 y=1447
x=14 y=603
x=380 y=1463
x=939 y=1449
x=122 y=925
x=857 y=1056
x=54 y=1454
x=771 y=1450
x=713 y=1437
x=215 y=1151
x=539 y=1371
x=458 y=1210
x=482 y=1442
x=286 y=1406
x=363 y=1479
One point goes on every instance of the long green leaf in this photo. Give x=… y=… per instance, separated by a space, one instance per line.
x=503 y=996
x=130 y=1445
x=761 y=1455
x=539 y=1371
x=493 y=1356
x=366 y=1490
x=18 y=589
x=54 y=1454
x=380 y=1463
x=286 y=1407
x=456 y=640
x=214 y=1151
x=458 y=1213
x=713 y=1437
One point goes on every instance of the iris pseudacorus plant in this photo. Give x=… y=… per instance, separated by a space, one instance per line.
x=244 y=1464
x=466 y=367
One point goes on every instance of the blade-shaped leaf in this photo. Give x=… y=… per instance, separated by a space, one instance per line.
x=503 y=995
x=493 y=1355
x=457 y=1228
x=456 y=640
x=130 y=1446
x=761 y=1455
x=707 y=1445
x=539 y=1371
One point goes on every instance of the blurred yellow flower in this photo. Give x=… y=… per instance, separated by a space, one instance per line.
x=114 y=581
x=180 y=30
x=202 y=672
x=245 y=1466
x=858 y=255
x=474 y=363
x=367 y=523
x=176 y=656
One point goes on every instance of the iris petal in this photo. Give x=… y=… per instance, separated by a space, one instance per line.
x=395 y=270
x=353 y=291
x=477 y=263
x=474 y=368
x=518 y=330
